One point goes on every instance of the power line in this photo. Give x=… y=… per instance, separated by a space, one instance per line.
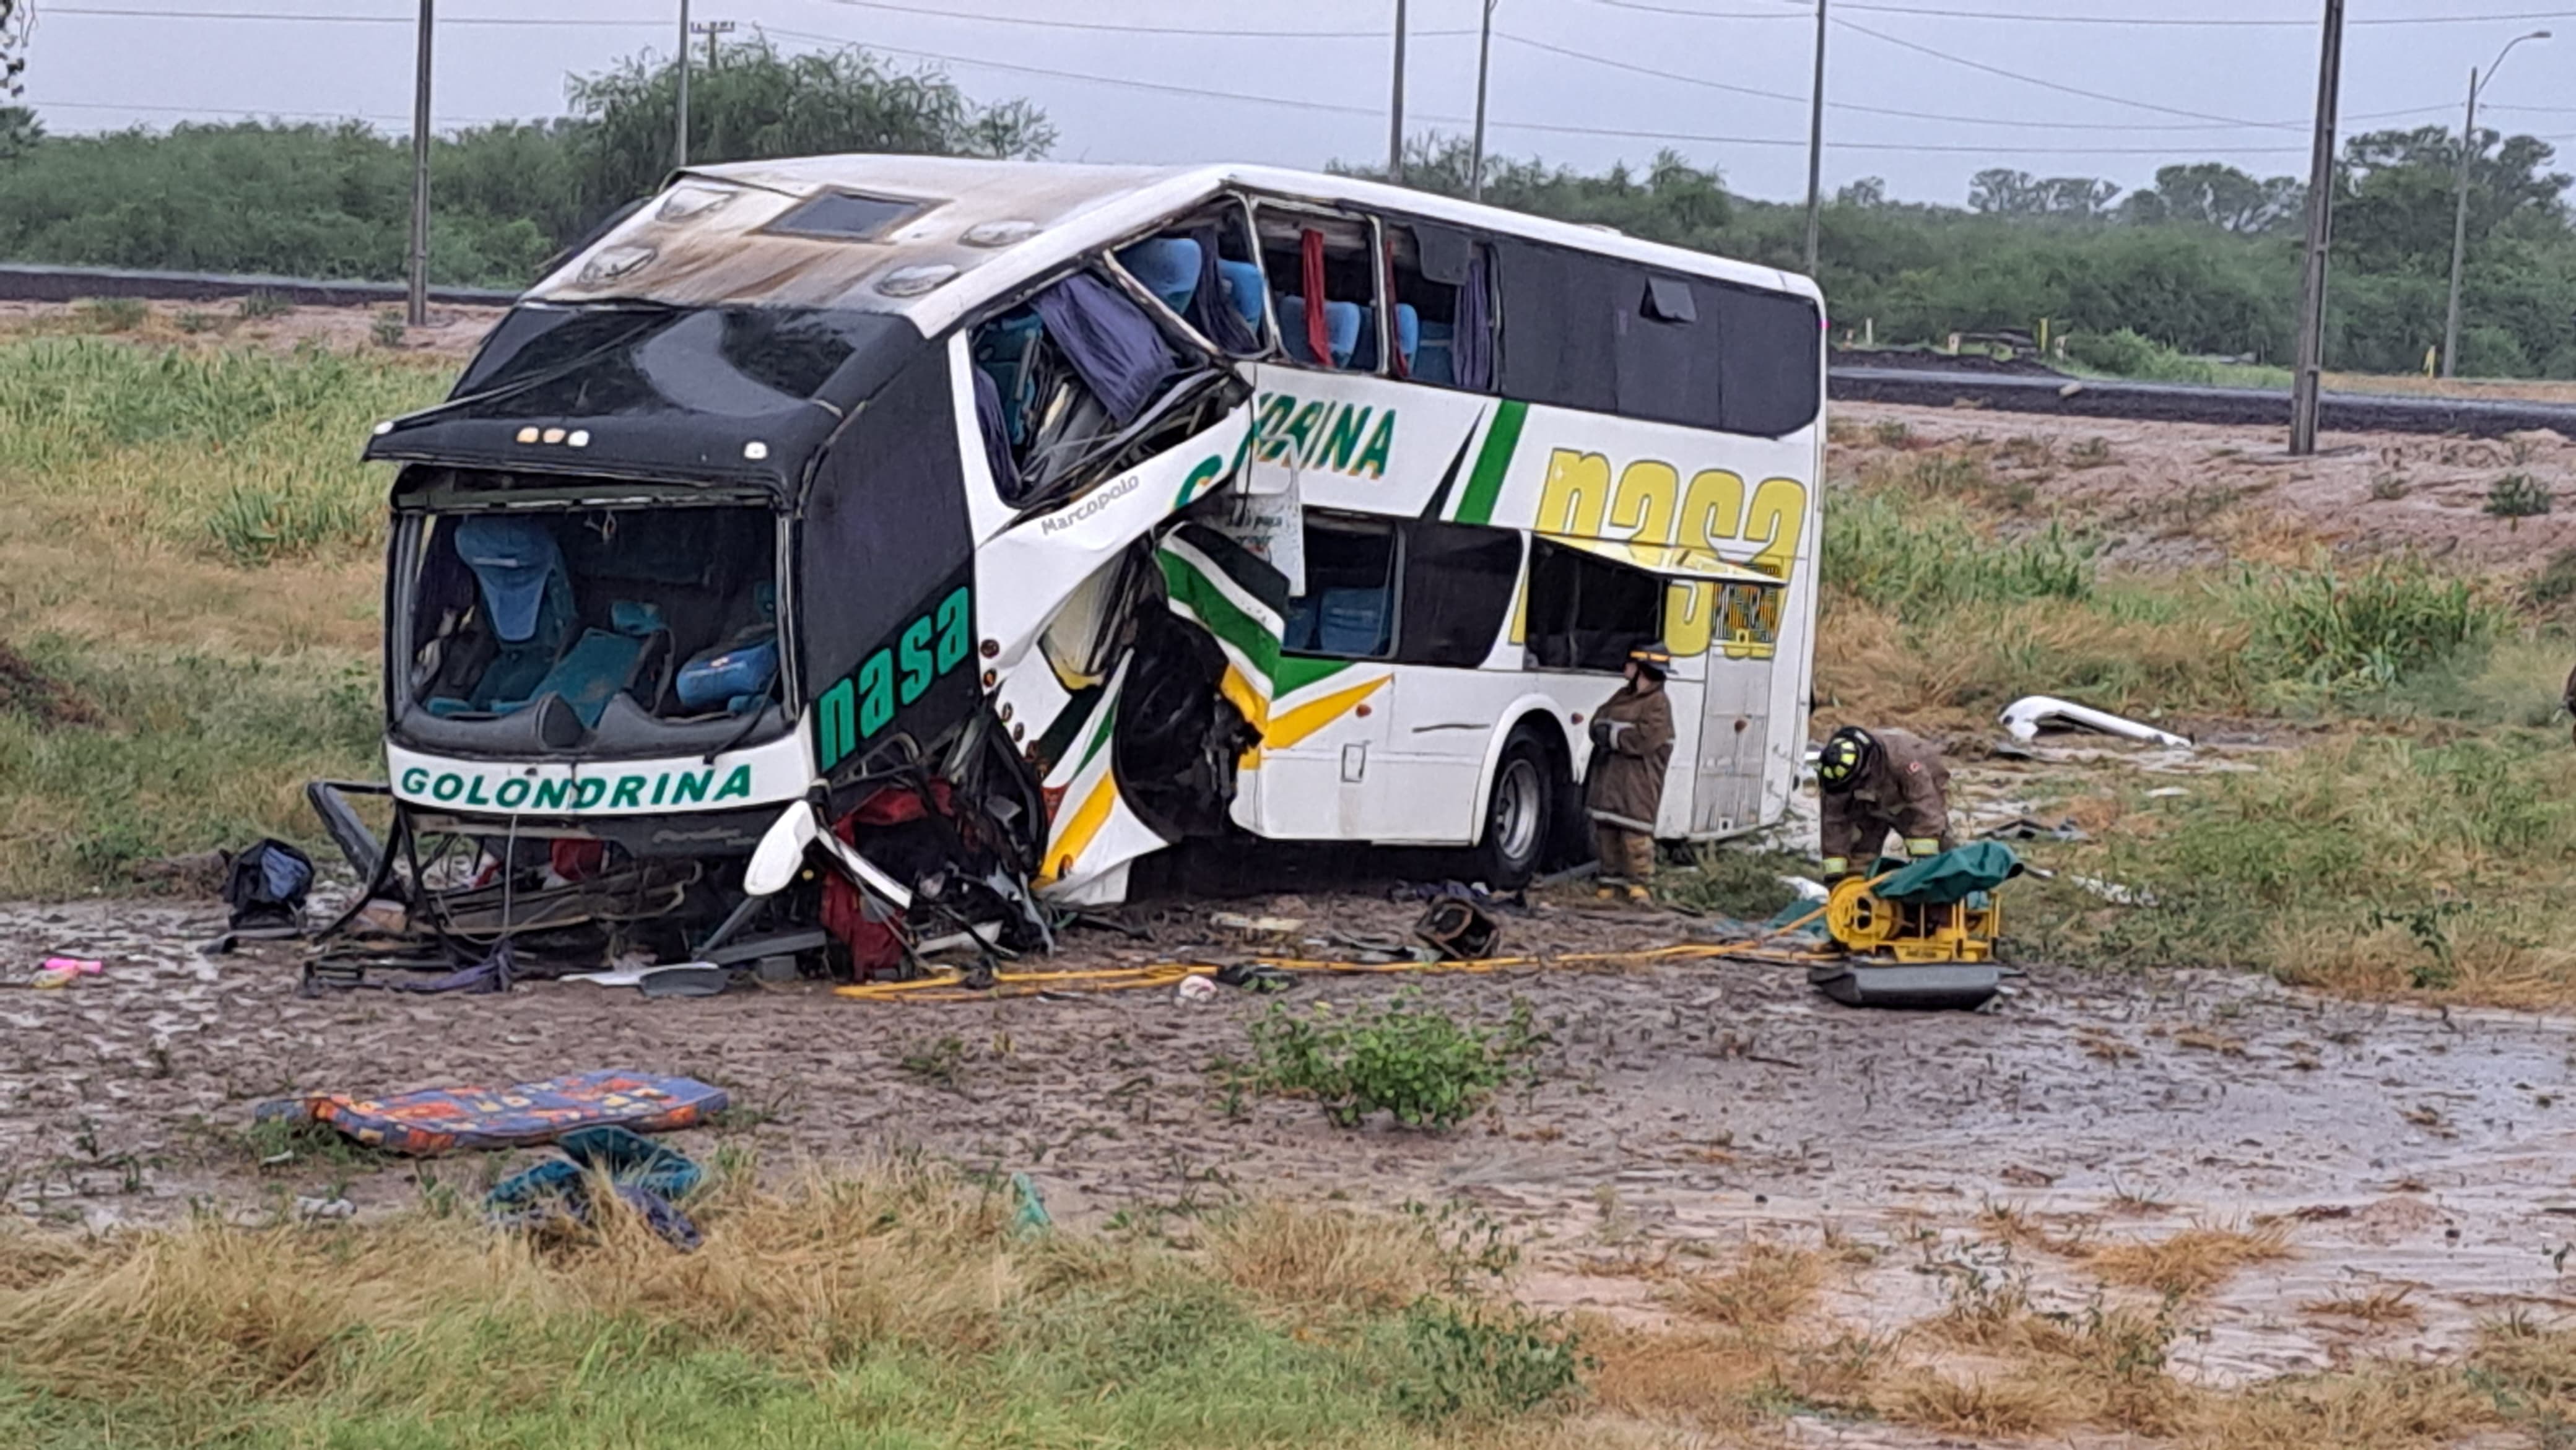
x=2188 y=21
x=1108 y=27
x=2031 y=80
x=1549 y=128
x=319 y=19
x=1864 y=109
x=267 y=112
x=1803 y=10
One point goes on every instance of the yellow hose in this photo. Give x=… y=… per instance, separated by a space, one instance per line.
x=949 y=987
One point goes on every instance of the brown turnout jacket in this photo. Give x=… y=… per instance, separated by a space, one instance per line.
x=1906 y=789
x=1625 y=784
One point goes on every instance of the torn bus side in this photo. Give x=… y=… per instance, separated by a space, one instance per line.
x=697 y=644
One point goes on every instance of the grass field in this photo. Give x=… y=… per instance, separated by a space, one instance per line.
x=904 y=1307
x=189 y=553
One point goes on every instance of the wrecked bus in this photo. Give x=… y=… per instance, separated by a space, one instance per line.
x=998 y=524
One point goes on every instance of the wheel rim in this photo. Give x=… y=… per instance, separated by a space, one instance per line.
x=1517 y=803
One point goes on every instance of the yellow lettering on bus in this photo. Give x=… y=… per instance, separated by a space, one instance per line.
x=1776 y=517
x=1643 y=507
x=1574 y=494
x=1690 y=615
x=1713 y=509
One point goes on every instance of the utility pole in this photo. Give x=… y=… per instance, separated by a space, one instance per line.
x=1395 y=107
x=680 y=141
x=416 y=302
x=2312 y=287
x=2460 y=215
x=1484 y=64
x=711 y=29
x=1816 y=140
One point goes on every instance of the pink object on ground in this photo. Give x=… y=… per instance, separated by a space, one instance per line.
x=74 y=966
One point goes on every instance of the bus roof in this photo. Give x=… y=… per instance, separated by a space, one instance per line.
x=935 y=239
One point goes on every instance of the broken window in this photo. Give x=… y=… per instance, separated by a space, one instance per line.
x=1324 y=273
x=1586 y=613
x=1669 y=359
x=1083 y=380
x=1208 y=271
x=1458 y=582
x=578 y=614
x=1444 y=315
x=1347 y=609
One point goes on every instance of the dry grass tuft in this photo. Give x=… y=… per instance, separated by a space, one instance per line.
x=1324 y=1256
x=803 y=1273
x=2192 y=1261
x=2376 y=1406
x=2003 y=1405
x=1771 y=1285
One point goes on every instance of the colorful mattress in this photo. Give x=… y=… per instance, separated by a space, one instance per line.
x=443 y=1120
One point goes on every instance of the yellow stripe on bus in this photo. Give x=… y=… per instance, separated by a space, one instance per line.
x=1079 y=829
x=1288 y=728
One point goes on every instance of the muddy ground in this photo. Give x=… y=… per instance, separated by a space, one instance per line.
x=2180 y=495
x=1686 y=1108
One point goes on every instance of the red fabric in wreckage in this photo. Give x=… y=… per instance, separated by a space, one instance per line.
x=875 y=948
x=1310 y=256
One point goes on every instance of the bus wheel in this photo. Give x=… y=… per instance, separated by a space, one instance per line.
x=1518 y=815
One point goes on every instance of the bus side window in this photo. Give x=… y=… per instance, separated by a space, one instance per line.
x=1444 y=305
x=1586 y=613
x=1323 y=278
x=1347 y=610
x=1458 y=583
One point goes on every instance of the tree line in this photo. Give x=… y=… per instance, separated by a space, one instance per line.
x=2203 y=262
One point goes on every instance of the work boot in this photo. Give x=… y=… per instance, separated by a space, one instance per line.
x=1639 y=894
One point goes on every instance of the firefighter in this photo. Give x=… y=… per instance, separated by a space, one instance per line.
x=1632 y=744
x=1874 y=782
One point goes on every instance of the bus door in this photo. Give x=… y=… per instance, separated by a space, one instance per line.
x=1735 y=712
x=1325 y=771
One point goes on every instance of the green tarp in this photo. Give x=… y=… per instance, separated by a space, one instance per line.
x=1953 y=875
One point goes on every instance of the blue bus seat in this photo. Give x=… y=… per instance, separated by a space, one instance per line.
x=1244 y=287
x=1351 y=622
x=1002 y=349
x=1434 y=361
x=1168 y=266
x=1343 y=326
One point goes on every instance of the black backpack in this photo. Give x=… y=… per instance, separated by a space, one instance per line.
x=265 y=886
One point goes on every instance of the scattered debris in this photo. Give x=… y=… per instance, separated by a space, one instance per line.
x=2028 y=828
x=1257 y=925
x=647 y=1176
x=2026 y=717
x=311 y=1209
x=2113 y=892
x=1459 y=930
x=266 y=886
x=1195 y=988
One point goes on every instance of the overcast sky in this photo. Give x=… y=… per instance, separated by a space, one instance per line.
x=1565 y=72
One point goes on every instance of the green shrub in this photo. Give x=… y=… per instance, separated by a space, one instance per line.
x=2131 y=355
x=1485 y=1362
x=1403 y=1058
x=388 y=329
x=2517 y=496
x=2366 y=630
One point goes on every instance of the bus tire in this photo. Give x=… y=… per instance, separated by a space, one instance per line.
x=1520 y=810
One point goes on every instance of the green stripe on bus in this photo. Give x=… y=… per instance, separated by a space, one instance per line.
x=1099 y=737
x=1486 y=485
x=1220 y=615
x=1296 y=672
